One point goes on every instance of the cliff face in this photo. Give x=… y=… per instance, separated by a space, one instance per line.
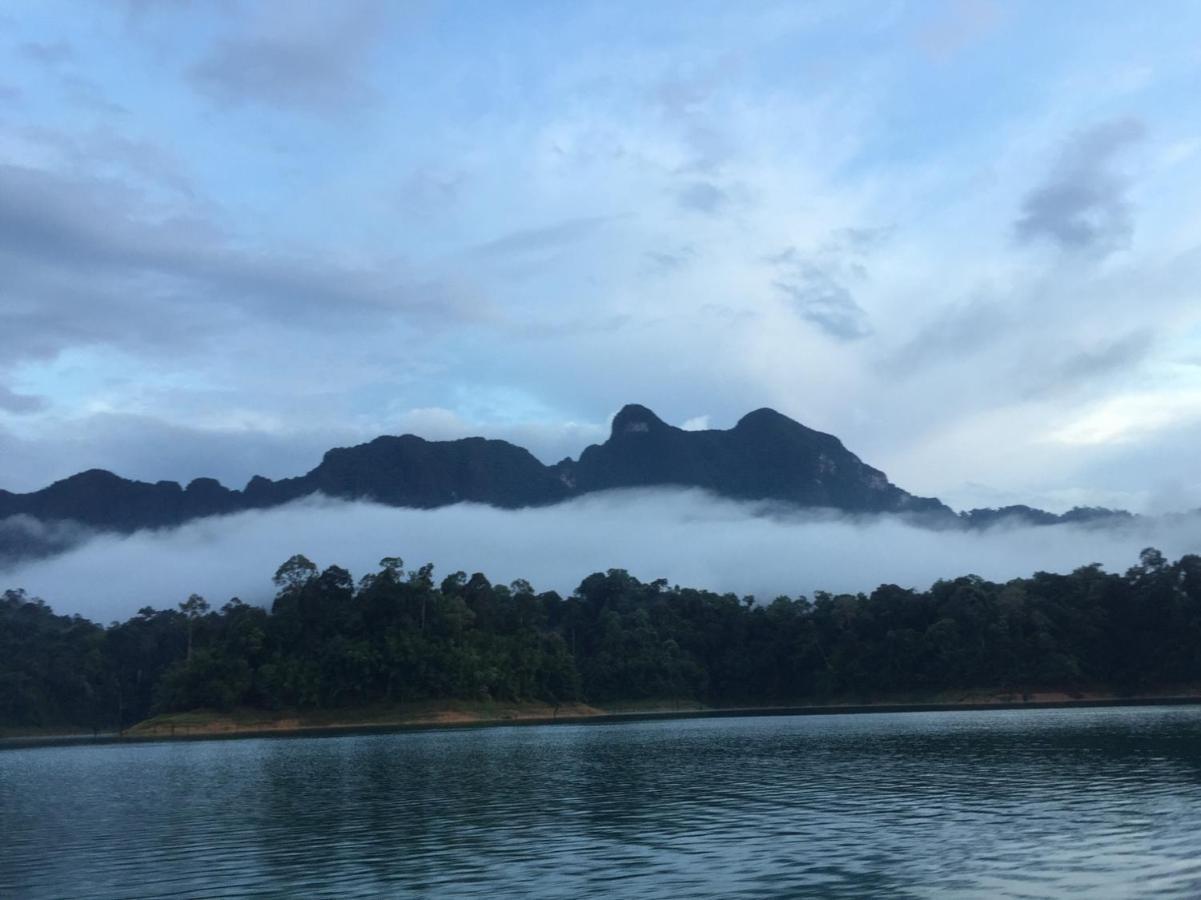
x=409 y=471
x=766 y=456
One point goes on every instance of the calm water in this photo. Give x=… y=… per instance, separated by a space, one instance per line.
x=1091 y=803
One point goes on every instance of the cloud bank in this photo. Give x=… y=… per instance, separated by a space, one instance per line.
x=686 y=536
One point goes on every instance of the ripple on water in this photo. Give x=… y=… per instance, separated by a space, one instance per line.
x=1092 y=803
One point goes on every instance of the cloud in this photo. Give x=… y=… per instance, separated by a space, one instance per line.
x=665 y=261
x=1081 y=205
x=959 y=25
x=84 y=93
x=1130 y=416
x=49 y=53
x=105 y=151
x=817 y=283
x=687 y=537
x=25 y=536
x=430 y=191
x=304 y=57
x=544 y=238
x=703 y=197
x=823 y=301
x=956 y=332
x=77 y=90
x=93 y=261
x=13 y=402
x=1100 y=361
x=687 y=102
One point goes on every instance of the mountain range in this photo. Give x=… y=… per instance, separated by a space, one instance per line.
x=766 y=456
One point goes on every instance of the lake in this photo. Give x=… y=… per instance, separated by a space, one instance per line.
x=1023 y=803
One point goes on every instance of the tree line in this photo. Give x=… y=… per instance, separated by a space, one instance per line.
x=397 y=636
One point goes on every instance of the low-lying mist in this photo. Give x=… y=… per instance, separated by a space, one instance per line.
x=686 y=536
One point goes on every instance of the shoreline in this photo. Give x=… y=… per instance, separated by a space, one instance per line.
x=245 y=724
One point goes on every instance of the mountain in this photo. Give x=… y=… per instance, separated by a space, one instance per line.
x=398 y=471
x=765 y=456
x=1027 y=515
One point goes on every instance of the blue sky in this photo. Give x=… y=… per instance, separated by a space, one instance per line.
x=962 y=236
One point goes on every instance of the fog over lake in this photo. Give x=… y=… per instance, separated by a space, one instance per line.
x=686 y=536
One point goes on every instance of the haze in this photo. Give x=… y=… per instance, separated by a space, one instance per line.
x=688 y=537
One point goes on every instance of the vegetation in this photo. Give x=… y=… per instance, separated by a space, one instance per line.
x=398 y=637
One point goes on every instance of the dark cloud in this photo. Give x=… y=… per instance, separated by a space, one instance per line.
x=1082 y=205
x=671 y=260
x=1105 y=358
x=1064 y=366
x=430 y=191
x=964 y=330
x=311 y=63
x=88 y=260
x=823 y=301
x=13 y=402
x=817 y=283
x=703 y=197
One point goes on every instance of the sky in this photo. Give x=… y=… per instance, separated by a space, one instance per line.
x=962 y=236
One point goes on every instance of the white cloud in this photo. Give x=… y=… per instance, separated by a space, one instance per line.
x=687 y=537
x=1128 y=417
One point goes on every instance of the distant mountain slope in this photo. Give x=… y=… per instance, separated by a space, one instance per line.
x=398 y=471
x=1028 y=515
x=766 y=456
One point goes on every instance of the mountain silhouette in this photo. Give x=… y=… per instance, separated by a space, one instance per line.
x=765 y=456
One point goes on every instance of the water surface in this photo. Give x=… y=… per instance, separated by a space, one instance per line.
x=1093 y=803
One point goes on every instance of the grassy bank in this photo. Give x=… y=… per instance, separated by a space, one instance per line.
x=199 y=723
x=443 y=713
x=244 y=722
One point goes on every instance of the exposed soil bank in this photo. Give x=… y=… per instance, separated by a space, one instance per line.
x=209 y=725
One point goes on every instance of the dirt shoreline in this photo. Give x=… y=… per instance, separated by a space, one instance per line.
x=211 y=725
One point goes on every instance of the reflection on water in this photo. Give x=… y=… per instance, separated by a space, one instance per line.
x=1021 y=803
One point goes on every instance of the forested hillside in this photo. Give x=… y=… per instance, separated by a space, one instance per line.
x=397 y=635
